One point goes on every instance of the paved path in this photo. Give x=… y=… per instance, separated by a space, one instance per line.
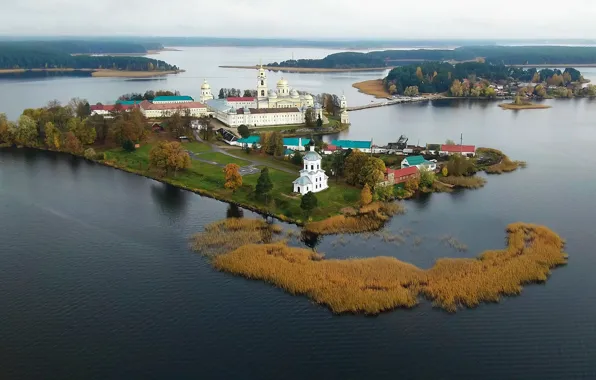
x=249 y=169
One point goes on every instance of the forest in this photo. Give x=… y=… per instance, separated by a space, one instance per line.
x=58 y=54
x=504 y=55
x=433 y=77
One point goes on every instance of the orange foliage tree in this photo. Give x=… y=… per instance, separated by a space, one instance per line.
x=232 y=176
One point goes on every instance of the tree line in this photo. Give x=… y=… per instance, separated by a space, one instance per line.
x=235 y=93
x=148 y=95
x=502 y=55
x=21 y=55
x=432 y=77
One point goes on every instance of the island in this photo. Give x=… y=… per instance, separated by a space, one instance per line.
x=257 y=250
x=519 y=104
x=94 y=57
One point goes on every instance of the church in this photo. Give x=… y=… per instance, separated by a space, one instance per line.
x=280 y=106
x=312 y=177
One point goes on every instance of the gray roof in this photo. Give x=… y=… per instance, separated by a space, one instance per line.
x=312 y=156
x=218 y=104
x=303 y=181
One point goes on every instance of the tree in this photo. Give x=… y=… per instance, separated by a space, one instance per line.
x=247 y=93
x=5 y=132
x=84 y=133
x=232 y=177
x=90 y=153
x=392 y=89
x=243 y=131
x=445 y=171
x=490 y=92
x=517 y=100
x=26 y=132
x=176 y=125
x=319 y=121
x=128 y=146
x=412 y=184
x=72 y=144
x=419 y=74
x=539 y=90
x=310 y=117
x=372 y=172
x=459 y=165
x=264 y=184
x=449 y=142
x=309 y=202
x=456 y=88
x=80 y=107
x=297 y=159
x=411 y=91
x=566 y=78
x=427 y=178
x=169 y=156
x=353 y=166
x=536 y=78
x=365 y=195
x=221 y=94
x=206 y=127
x=53 y=136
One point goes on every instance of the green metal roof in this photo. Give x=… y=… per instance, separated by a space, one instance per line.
x=415 y=160
x=172 y=98
x=128 y=102
x=351 y=144
x=293 y=141
x=250 y=140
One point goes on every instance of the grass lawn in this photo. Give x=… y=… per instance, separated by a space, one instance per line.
x=209 y=179
x=197 y=147
x=222 y=159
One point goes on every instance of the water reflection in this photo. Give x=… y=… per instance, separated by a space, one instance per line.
x=310 y=239
x=170 y=198
x=234 y=211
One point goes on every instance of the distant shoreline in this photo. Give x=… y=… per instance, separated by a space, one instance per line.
x=306 y=69
x=148 y=52
x=96 y=72
x=571 y=65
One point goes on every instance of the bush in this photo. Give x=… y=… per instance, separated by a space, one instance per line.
x=384 y=193
x=243 y=131
x=128 y=146
x=90 y=153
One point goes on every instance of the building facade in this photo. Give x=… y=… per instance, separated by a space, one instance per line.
x=419 y=162
x=167 y=109
x=312 y=177
x=205 y=92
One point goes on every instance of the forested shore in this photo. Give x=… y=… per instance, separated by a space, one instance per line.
x=46 y=55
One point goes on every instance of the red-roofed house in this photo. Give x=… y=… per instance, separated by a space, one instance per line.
x=149 y=109
x=330 y=149
x=396 y=176
x=465 y=150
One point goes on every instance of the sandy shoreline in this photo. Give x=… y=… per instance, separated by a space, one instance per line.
x=372 y=87
x=306 y=69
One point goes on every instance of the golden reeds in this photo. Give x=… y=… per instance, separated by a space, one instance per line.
x=472 y=182
x=373 y=285
x=369 y=218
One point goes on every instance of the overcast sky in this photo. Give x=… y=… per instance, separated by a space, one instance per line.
x=321 y=19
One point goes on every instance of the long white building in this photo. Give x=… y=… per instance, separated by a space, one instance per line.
x=278 y=106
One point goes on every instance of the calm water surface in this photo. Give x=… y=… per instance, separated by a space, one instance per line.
x=98 y=282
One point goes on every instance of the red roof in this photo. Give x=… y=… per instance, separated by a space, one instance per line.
x=241 y=99
x=458 y=148
x=402 y=172
x=171 y=106
x=331 y=147
x=110 y=107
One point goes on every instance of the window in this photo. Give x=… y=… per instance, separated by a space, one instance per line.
x=312 y=167
x=262 y=92
x=317 y=166
x=262 y=82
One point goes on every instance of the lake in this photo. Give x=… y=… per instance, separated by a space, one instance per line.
x=98 y=281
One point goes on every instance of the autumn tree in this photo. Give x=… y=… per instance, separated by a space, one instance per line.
x=5 y=132
x=539 y=90
x=310 y=118
x=536 y=78
x=456 y=88
x=206 y=127
x=353 y=166
x=427 y=177
x=419 y=73
x=53 y=136
x=309 y=202
x=490 y=92
x=566 y=78
x=168 y=156
x=264 y=184
x=233 y=179
x=412 y=184
x=26 y=132
x=72 y=144
x=82 y=131
x=411 y=91
x=80 y=107
x=365 y=195
x=372 y=172
x=392 y=89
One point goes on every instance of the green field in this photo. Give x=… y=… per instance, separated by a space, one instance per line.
x=208 y=180
x=222 y=158
x=197 y=147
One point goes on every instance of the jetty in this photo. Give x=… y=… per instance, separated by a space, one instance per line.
x=400 y=100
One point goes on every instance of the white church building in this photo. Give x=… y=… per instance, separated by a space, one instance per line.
x=279 y=106
x=312 y=177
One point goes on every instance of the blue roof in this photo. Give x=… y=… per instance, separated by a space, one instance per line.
x=250 y=140
x=302 y=181
x=293 y=141
x=172 y=98
x=415 y=160
x=128 y=102
x=352 y=144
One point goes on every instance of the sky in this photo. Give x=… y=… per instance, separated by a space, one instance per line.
x=318 y=19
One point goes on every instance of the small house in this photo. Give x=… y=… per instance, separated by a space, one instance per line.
x=464 y=150
x=363 y=146
x=397 y=176
x=419 y=162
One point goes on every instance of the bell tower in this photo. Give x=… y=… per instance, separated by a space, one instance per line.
x=262 y=88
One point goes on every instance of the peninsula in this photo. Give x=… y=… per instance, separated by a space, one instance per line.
x=83 y=56
x=307 y=69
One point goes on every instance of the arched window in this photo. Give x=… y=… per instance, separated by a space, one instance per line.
x=262 y=92
x=312 y=167
x=262 y=82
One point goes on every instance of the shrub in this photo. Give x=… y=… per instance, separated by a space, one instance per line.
x=128 y=146
x=472 y=182
x=90 y=153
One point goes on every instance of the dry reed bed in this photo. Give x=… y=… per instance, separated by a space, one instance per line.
x=373 y=87
x=473 y=182
x=369 y=218
x=373 y=285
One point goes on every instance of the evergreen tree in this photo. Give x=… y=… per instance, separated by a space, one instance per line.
x=264 y=184
x=309 y=202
